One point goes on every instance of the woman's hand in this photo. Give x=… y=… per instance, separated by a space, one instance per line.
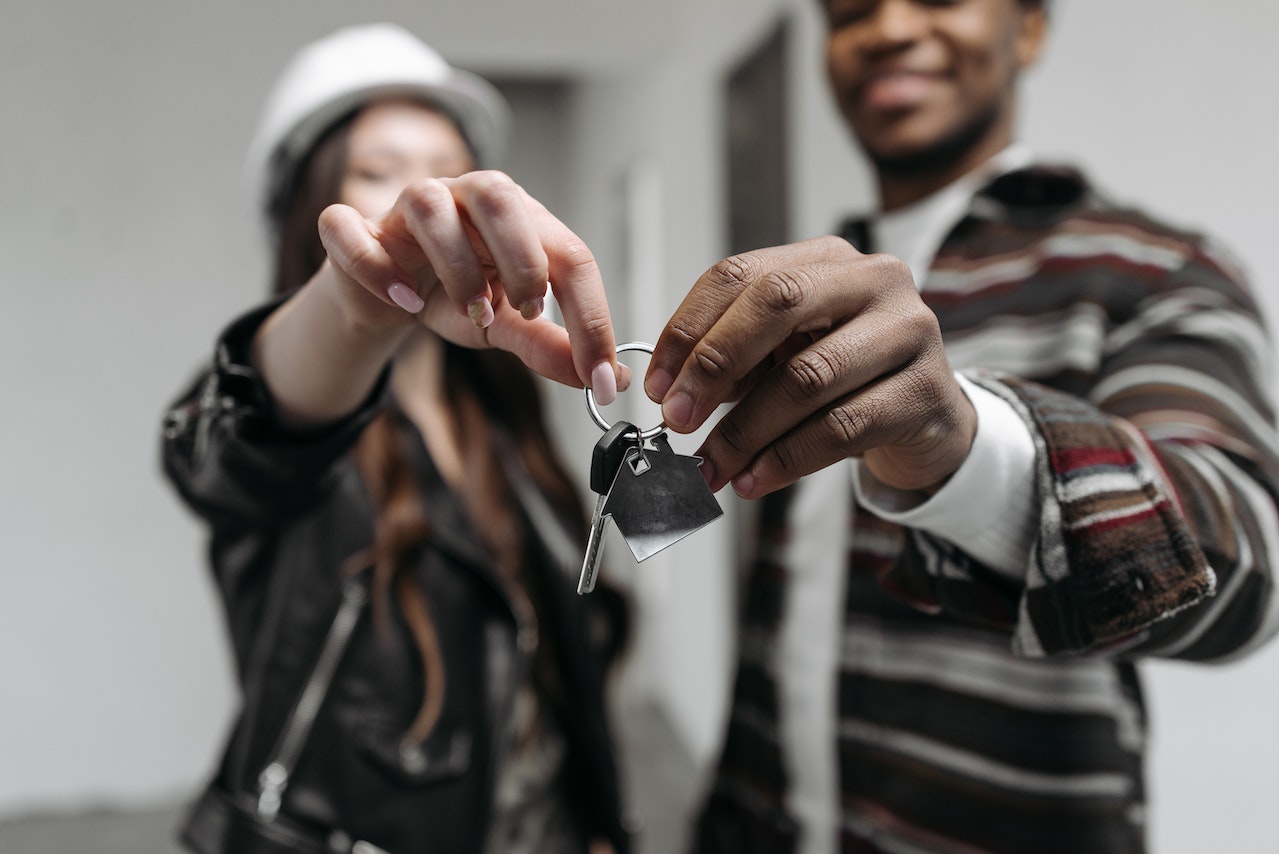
x=471 y=258
x=830 y=353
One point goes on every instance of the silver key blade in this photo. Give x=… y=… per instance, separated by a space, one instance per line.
x=594 y=549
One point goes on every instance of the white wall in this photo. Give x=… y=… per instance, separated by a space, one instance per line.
x=125 y=245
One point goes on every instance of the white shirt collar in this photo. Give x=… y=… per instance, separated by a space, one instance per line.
x=915 y=233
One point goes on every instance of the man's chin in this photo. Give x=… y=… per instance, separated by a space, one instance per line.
x=905 y=160
x=934 y=153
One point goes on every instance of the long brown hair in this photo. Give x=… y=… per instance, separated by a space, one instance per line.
x=487 y=391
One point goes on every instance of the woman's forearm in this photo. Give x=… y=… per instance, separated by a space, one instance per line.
x=318 y=362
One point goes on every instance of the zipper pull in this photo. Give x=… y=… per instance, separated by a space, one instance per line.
x=273 y=779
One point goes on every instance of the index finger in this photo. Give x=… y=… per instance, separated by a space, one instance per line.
x=734 y=318
x=708 y=299
x=579 y=289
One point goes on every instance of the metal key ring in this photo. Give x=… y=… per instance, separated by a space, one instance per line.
x=592 y=408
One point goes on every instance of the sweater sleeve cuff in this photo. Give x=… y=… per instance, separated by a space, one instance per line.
x=988 y=507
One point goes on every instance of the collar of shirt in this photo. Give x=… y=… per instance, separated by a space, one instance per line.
x=915 y=233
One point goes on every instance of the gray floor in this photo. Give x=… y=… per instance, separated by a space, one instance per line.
x=662 y=785
x=141 y=832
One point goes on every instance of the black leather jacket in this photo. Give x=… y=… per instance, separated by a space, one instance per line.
x=283 y=515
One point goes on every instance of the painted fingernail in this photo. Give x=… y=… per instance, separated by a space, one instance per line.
x=532 y=308
x=405 y=297
x=480 y=310
x=677 y=409
x=603 y=383
x=658 y=383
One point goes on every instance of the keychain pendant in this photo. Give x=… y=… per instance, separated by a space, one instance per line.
x=658 y=498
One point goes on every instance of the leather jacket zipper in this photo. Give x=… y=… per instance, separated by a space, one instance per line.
x=274 y=778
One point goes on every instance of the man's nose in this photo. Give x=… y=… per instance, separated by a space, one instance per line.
x=894 y=23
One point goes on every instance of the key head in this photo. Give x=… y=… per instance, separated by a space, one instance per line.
x=609 y=453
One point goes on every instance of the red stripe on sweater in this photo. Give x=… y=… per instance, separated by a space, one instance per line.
x=1079 y=458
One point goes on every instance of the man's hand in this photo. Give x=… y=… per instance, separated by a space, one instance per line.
x=830 y=354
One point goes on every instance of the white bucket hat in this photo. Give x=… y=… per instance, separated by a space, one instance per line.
x=336 y=74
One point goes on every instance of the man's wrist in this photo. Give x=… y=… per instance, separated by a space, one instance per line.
x=987 y=506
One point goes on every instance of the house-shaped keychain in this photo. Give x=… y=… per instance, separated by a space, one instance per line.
x=658 y=498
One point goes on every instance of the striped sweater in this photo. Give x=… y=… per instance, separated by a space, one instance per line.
x=976 y=714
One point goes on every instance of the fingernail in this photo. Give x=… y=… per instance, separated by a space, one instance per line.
x=405 y=297
x=658 y=383
x=744 y=484
x=677 y=409
x=624 y=378
x=707 y=468
x=603 y=383
x=480 y=310
x=532 y=308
